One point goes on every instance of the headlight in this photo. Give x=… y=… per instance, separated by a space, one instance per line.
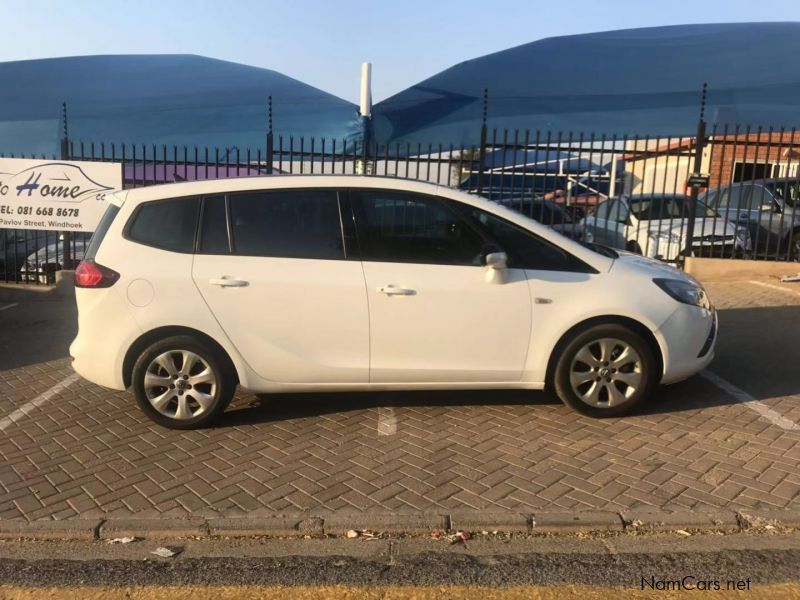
x=666 y=236
x=684 y=291
x=743 y=237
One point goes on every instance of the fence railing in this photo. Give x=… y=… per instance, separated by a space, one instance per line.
x=630 y=192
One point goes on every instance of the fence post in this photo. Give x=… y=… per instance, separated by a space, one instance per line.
x=66 y=250
x=700 y=142
x=269 y=137
x=482 y=148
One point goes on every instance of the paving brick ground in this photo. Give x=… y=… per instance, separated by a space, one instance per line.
x=89 y=452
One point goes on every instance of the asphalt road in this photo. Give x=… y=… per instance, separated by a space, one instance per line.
x=626 y=561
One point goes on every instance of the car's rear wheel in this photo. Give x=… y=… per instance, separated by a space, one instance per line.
x=605 y=371
x=181 y=382
x=794 y=248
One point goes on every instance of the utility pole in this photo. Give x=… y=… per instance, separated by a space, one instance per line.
x=66 y=241
x=696 y=179
x=270 y=141
x=365 y=112
x=484 y=133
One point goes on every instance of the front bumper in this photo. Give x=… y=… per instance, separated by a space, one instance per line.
x=688 y=339
x=706 y=247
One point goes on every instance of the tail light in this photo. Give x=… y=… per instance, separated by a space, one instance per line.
x=89 y=274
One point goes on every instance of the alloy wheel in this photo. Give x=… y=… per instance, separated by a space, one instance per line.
x=180 y=384
x=606 y=372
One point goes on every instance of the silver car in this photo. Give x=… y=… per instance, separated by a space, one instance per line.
x=41 y=266
x=768 y=208
x=656 y=225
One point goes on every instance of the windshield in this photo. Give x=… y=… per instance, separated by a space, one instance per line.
x=658 y=208
x=787 y=191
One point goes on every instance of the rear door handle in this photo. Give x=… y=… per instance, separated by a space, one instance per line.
x=226 y=281
x=391 y=290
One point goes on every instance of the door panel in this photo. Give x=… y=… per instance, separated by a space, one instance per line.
x=450 y=325
x=281 y=285
x=293 y=320
x=434 y=316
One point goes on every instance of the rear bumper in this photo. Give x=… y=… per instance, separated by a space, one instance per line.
x=99 y=349
x=688 y=339
x=717 y=250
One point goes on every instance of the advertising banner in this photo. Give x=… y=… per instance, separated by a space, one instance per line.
x=55 y=195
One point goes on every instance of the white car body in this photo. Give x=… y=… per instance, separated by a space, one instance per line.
x=613 y=224
x=300 y=325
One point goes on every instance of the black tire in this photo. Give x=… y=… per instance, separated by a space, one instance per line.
x=648 y=371
x=221 y=393
x=794 y=247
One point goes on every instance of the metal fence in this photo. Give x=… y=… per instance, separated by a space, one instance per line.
x=632 y=193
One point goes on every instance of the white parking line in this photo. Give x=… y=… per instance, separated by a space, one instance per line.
x=387 y=421
x=38 y=401
x=776 y=287
x=747 y=400
x=7 y=306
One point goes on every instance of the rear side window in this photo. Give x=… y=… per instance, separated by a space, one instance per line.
x=166 y=224
x=287 y=224
x=100 y=232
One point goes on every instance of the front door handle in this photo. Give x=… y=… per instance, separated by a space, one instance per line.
x=391 y=290
x=226 y=281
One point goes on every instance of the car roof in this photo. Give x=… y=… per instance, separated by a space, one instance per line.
x=753 y=182
x=651 y=196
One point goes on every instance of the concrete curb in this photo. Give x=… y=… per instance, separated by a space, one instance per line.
x=661 y=520
x=577 y=522
x=153 y=528
x=69 y=529
x=553 y=523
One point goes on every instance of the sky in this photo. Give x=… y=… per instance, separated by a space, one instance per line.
x=324 y=42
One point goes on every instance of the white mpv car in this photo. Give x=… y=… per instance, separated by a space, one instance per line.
x=331 y=283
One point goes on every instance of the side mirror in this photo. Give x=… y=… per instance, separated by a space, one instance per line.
x=496 y=263
x=496 y=260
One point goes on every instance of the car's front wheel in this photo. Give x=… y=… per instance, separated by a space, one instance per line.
x=183 y=383
x=605 y=371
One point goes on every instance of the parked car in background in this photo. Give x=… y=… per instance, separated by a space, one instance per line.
x=655 y=225
x=547 y=212
x=319 y=283
x=15 y=247
x=769 y=209
x=41 y=266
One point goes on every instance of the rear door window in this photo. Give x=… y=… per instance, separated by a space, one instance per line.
x=166 y=224
x=287 y=223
